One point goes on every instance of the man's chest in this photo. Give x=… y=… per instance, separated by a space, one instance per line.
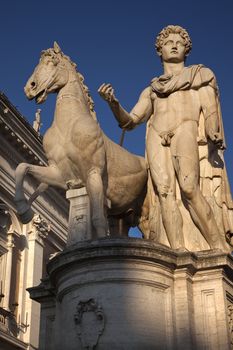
x=178 y=102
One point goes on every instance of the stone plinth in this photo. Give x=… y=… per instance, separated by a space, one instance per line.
x=133 y=294
x=80 y=227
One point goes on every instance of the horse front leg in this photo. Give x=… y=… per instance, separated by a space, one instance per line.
x=40 y=189
x=24 y=210
x=95 y=191
x=48 y=175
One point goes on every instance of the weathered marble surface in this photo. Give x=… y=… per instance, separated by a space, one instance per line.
x=80 y=227
x=78 y=152
x=190 y=200
x=185 y=202
x=135 y=294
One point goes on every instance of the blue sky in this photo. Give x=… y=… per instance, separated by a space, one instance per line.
x=113 y=41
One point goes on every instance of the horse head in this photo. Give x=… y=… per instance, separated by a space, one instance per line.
x=50 y=75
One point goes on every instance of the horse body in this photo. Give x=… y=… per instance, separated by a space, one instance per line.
x=78 y=152
x=127 y=176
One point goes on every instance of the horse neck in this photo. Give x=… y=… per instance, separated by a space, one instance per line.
x=71 y=102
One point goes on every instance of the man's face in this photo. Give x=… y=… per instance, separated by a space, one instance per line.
x=173 y=49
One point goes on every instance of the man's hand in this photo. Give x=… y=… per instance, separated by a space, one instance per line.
x=216 y=138
x=106 y=91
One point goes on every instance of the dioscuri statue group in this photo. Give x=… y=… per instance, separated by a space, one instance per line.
x=179 y=194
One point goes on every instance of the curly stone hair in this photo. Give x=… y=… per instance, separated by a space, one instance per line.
x=171 y=29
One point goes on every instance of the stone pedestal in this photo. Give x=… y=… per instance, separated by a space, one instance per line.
x=134 y=294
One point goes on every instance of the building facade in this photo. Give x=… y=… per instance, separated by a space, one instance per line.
x=24 y=249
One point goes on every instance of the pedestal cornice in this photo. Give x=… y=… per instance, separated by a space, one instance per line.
x=137 y=249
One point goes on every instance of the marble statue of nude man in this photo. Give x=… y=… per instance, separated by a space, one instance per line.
x=171 y=105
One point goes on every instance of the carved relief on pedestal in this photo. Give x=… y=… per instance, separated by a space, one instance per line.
x=78 y=227
x=89 y=319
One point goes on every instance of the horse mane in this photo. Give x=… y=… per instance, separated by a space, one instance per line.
x=87 y=95
x=57 y=56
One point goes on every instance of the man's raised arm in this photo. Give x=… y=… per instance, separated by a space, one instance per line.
x=141 y=112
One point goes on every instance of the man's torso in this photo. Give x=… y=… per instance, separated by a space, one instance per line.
x=171 y=111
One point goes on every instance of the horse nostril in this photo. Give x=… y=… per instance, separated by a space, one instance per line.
x=33 y=84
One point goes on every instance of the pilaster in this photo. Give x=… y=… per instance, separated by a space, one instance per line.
x=7 y=284
x=38 y=232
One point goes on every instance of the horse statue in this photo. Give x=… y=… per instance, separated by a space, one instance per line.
x=78 y=152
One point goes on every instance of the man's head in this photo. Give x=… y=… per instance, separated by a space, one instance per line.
x=173 y=32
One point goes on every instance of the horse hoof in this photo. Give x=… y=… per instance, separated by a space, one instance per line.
x=27 y=216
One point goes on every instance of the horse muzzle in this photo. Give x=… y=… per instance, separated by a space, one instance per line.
x=31 y=93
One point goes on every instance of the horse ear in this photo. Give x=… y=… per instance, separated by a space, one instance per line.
x=56 y=47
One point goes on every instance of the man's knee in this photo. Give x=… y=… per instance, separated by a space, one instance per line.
x=164 y=190
x=188 y=187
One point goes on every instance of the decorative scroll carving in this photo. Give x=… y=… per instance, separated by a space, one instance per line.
x=89 y=318
x=42 y=226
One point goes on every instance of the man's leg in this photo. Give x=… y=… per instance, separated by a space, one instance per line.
x=185 y=157
x=163 y=178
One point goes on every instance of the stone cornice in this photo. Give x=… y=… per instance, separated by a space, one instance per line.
x=45 y=292
x=19 y=132
x=137 y=249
